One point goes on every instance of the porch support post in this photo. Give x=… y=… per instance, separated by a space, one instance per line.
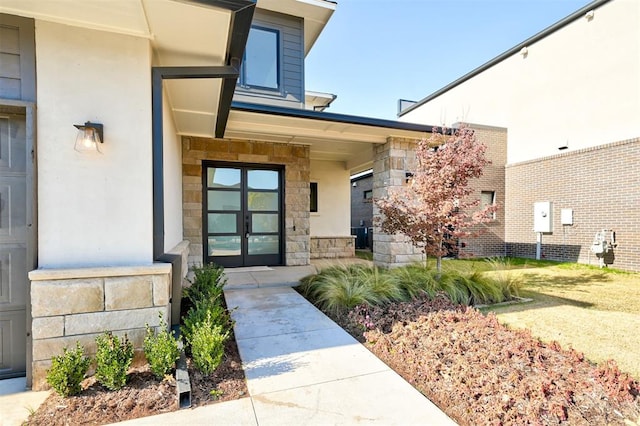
x=392 y=162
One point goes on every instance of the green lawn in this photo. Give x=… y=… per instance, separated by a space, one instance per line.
x=595 y=311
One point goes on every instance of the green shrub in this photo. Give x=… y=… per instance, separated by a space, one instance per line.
x=160 y=349
x=68 y=370
x=198 y=314
x=113 y=359
x=207 y=283
x=207 y=345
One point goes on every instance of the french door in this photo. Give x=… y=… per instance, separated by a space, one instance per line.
x=242 y=214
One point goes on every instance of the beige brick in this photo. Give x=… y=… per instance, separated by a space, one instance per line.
x=39 y=375
x=161 y=290
x=60 y=297
x=128 y=292
x=47 y=327
x=111 y=320
x=45 y=349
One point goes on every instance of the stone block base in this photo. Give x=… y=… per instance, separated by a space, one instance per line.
x=76 y=305
x=332 y=247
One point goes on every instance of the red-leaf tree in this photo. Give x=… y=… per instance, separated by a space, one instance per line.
x=435 y=208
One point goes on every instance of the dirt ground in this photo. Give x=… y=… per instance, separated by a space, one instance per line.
x=143 y=395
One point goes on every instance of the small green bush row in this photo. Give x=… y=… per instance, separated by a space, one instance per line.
x=114 y=356
x=338 y=289
x=207 y=324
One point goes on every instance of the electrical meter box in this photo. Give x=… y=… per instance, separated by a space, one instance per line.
x=542 y=217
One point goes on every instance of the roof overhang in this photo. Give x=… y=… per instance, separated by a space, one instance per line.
x=330 y=136
x=181 y=33
x=316 y=14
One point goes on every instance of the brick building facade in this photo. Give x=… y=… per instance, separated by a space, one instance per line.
x=601 y=185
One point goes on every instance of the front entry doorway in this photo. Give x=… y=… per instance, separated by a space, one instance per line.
x=242 y=214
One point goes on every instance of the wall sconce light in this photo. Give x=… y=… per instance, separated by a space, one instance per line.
x=89 y=136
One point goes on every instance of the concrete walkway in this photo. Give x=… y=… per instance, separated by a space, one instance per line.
x=301 y=367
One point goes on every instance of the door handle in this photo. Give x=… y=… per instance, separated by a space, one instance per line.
x=246 y=228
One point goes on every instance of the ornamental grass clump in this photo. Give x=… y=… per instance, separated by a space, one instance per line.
x=113 y=359
x=160 y=349
x=68 y=370
x=339 y=289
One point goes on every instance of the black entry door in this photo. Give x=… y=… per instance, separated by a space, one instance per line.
x=242 y=214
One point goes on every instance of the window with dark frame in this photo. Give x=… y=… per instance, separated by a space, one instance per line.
x=488 y=198
x=313 y=201
x=261 y=65
x=368 y=195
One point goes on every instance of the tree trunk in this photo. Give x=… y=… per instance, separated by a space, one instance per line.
x=439 y=264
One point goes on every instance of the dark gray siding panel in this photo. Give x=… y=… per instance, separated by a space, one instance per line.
x=17 y=58
x=291 y=93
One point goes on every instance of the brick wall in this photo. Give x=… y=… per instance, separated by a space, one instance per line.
x=76 y=305
x=490 y=242
x=295 y=159
x=601 y=185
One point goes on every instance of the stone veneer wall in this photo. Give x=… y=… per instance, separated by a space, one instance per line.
x=391 y=162
x=602 y=186
x=332 y=247
x=397 y=157
x=295 y=159
x=79 y=304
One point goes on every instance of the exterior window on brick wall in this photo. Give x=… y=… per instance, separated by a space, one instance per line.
x=313 y=202
x=261 y=65
x=488 y=198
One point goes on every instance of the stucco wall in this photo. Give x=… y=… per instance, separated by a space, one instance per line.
x=93 y=209
x=334 y=208
x=172 y=161
x=578 y=85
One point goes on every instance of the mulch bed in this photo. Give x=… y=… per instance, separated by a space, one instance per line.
x=143 y=395
x=480 y=372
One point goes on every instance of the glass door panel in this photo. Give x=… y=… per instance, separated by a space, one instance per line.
x=243 y=214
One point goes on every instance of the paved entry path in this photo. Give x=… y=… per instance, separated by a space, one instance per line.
x=302 y=368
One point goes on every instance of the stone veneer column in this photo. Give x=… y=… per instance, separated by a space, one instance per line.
x=76 y=305
x=392 y=161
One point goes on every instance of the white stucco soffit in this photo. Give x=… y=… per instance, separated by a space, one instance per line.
x=328 y=139
x=181 y=33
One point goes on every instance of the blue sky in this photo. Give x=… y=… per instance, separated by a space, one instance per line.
x=373 y=52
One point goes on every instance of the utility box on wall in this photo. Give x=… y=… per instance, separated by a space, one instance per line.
x=542 y=217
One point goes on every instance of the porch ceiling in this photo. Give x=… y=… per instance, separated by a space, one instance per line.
x=180 y=32
x=333 y=137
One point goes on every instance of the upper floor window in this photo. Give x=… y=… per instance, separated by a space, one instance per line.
x=261 y=67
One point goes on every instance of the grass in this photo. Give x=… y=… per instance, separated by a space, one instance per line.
x=595 y=311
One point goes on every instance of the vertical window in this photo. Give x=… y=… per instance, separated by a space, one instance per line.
x=313 y=202
x=262 y=59
x=488 y=198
